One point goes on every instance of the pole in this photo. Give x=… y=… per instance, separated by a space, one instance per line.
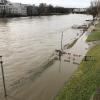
x=62 y=42
x=3 y=77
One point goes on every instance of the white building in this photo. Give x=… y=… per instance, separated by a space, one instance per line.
x=16 y=9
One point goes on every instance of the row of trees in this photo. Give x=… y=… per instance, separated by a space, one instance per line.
x=44 y=9
x=47 y=9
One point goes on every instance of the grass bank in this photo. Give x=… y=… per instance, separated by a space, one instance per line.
x=85 y=80
x=95 y=35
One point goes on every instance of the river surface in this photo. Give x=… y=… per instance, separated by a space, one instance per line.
x=27 y=43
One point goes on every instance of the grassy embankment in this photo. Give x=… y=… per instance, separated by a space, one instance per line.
x=86 y=79
x=95 y=35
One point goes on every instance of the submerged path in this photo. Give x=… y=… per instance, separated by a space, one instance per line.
x=49 y=83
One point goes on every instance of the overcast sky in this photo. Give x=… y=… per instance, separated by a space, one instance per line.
x=64 y=3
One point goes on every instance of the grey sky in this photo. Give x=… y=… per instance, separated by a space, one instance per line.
x=64 y=3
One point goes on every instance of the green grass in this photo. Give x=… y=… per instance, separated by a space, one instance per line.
x=85 y=80
x=95 y=35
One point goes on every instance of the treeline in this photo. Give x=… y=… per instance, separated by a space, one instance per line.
x=44 y=9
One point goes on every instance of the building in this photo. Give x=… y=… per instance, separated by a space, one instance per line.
x=2 y=8
x=12 y=9
x=32 y=10
x=24 y=9
x=16 y=9
x=3 y=1
x=8 y=9
x=79 y=10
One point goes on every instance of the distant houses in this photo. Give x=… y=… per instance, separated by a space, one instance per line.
x=80 y=10
x=8 y=9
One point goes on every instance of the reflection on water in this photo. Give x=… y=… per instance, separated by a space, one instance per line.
x=26 y=43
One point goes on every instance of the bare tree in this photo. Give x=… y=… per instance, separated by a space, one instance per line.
x=95 y=7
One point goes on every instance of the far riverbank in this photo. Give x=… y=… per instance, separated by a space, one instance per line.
x=42 y=14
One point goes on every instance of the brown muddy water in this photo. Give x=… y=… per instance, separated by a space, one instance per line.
x=27 y=45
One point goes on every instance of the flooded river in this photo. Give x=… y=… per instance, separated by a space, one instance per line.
x=26 y=44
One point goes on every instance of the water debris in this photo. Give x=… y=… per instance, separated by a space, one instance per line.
x=80 y=26
x=72 y=44
x=89 y=20
x=76 y=63
x=89 y=58
x=66 y=60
